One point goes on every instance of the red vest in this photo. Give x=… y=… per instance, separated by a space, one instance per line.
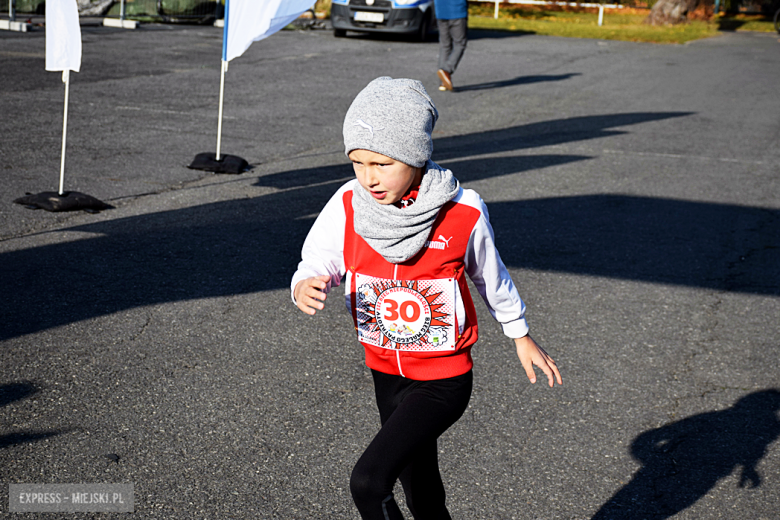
x=440 y=258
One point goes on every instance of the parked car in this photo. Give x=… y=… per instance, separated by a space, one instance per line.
x=415 y=18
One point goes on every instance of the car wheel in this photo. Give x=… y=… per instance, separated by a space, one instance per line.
x=339 y=33
x=425 y=26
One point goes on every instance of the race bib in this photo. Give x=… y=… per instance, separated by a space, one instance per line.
x=414 y=315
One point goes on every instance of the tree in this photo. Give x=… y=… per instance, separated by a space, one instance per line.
x=671 y=11
x=94 y=7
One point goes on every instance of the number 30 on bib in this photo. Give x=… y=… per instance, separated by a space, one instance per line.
x=416 y=315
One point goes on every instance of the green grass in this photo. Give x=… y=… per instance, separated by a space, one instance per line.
x=743 y=22
x=618 y=24
x=627 y=26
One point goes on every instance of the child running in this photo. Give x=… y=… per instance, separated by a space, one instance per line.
x=402 y=236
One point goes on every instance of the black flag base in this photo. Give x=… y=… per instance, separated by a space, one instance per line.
x=68 y=201
x=207 y=161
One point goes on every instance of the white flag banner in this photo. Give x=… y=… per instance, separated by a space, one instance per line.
x=248 y=21
x=63 y=35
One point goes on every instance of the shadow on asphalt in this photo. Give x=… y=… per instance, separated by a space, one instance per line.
x=473 y=170
x=520 y=80
x=684 y=460
x=543 y=133
x=488 y=34
x=433 y=37
x=10 y=393
x=533 y=135
x=674 y=242
x=252 y=245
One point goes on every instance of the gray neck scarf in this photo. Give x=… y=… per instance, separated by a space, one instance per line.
x=399 y=233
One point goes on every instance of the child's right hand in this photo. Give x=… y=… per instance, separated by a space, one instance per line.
x=310 y=294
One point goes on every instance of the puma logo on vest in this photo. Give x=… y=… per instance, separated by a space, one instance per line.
x=443 y=244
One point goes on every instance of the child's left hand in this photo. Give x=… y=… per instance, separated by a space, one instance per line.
x=531 y=354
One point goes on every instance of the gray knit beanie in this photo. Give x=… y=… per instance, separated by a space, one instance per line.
x=394 y=117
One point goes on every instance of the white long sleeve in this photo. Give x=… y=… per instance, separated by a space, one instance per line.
x=490 y=276
x=323 y=249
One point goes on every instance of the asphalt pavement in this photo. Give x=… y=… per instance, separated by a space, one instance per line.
x=635 y=194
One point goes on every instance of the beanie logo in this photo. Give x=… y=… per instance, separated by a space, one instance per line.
x=365 y=125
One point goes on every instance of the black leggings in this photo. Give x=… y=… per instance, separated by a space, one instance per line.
x=414 y=414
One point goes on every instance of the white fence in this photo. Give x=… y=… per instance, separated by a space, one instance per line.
x=600 y=7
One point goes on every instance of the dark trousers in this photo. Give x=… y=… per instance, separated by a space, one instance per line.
x=453 y=36
x=413 y=414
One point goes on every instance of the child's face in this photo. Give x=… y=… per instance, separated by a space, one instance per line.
x=386 y=179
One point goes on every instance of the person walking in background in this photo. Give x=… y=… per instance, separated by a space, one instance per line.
x=452 y=19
